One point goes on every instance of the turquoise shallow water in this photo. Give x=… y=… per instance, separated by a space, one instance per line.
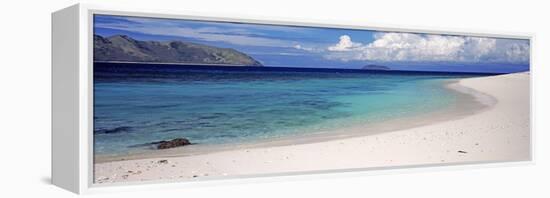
x=137 y=106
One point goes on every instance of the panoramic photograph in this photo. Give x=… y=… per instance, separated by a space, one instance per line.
x=178 y=99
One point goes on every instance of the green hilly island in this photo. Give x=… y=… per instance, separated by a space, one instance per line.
x=122 y=48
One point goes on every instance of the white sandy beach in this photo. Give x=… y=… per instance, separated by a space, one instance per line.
x=501 y=132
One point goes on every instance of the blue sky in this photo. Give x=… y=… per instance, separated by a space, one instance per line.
x=292 y=46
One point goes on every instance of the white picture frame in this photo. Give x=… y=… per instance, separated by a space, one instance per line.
x=72 y=97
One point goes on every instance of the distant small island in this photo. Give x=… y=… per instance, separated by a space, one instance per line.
x=122 y=48
x=375 y=67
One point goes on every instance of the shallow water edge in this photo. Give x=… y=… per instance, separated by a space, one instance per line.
x=468 y=102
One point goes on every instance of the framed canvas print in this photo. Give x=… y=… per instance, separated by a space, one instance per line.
x=143 y=97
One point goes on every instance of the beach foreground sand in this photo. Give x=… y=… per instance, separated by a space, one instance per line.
x=499 y=133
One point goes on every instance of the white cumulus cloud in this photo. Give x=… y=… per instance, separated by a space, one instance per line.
x=420 y=47
x=345 y=44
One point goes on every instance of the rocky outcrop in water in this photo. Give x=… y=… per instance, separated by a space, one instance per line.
x=376 y=67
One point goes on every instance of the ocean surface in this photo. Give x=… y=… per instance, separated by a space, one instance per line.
x=135 y=104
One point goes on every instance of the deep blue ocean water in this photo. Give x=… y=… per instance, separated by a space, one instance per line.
x=135 y=104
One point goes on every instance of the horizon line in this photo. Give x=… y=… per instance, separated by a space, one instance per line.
x=235 y=66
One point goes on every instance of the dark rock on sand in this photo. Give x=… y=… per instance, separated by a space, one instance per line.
x=172 y=143
x=163 y=162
